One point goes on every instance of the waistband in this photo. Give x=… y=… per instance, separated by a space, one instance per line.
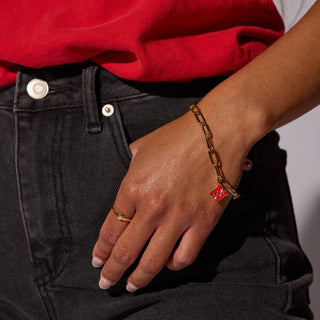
x=67 y=85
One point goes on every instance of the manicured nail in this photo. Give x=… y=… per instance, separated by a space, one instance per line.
x=97 y=262
x=105 y=283
x=131 y=287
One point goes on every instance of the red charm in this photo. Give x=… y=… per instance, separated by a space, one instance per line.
x=219 y=193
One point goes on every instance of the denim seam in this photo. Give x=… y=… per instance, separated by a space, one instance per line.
x=120 y=131
x=93 y=123
x=277 y=257
x=140 y=95
x=289 y=299
x=17 y=167
x=57 y=173
x=50 y=108
x=17 y=145
x=21 y=196
x=62 y=194
x=114 y=99
x=91 y=126
x=51 y=312
x=85 y=98
x=18 y=90
x=60 y=178
x=54 y=174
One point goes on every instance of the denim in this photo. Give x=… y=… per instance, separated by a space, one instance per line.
x=61 y=164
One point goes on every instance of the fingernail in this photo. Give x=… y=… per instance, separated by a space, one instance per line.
x=131 y=287
x=97 y=262
x=105 y=283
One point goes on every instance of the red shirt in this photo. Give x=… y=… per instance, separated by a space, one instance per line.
x=143 y=40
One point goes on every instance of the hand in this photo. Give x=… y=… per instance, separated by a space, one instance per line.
x=166 y=193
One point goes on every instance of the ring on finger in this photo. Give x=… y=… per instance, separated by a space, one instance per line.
x=120 y=216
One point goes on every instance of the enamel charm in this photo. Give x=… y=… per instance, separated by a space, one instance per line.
x=218 y=193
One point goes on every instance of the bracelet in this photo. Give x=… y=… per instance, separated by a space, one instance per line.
x=224 y=188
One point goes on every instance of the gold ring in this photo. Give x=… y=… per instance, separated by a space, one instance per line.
x=120 y=216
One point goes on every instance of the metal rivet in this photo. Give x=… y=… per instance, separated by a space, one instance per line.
x=247 y=166
x=107 y=110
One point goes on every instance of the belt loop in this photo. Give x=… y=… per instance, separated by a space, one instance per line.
x=93 y=123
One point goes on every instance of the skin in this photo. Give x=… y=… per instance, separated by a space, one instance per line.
x=166 y=189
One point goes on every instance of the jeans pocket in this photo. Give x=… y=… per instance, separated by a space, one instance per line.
x=114 y=129
x=121 y=134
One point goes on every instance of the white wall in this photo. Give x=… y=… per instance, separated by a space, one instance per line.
x=301 y=139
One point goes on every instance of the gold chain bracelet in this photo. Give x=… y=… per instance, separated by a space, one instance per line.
x=224 y=188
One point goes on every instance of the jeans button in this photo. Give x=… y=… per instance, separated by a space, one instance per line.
x=37 y=88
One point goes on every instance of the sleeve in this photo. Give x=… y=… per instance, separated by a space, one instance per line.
x=292 y=11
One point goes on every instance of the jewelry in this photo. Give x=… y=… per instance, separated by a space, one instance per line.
x=120 y=216
x=224 y=188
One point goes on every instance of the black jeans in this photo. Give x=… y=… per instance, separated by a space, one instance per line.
x=61 y=163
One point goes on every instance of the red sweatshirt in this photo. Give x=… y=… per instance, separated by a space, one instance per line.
x=143 y=40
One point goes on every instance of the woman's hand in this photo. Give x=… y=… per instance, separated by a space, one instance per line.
x=166 y=192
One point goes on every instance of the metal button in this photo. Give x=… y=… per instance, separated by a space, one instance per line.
x=107 y=110
x=247 y=166
x=37 y=88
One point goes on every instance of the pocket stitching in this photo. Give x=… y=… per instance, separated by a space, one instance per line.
x=119 y=127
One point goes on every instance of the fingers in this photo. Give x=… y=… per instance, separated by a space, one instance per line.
x=154 y=258
x=127 y=249
x=125 y=252
x=110 y=231
x=188 y=249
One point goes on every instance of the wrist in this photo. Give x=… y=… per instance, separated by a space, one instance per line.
x=236 y=115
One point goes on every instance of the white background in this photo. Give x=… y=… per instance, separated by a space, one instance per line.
x=301 y=139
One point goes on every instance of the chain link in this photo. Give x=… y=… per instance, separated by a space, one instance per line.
x=213 y=155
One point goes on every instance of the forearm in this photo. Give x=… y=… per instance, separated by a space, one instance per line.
x=275 y=88
x=166 y=190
